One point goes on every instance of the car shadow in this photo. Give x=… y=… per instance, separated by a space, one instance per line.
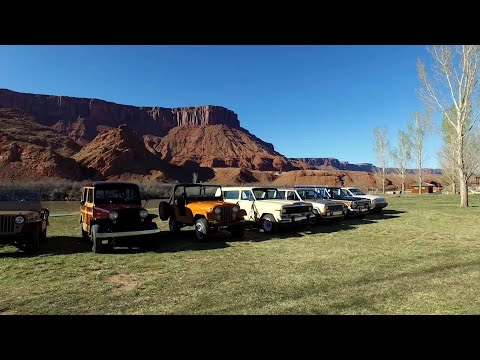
x=55 y=245
x=386 y=214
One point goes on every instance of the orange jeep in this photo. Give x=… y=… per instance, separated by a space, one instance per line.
x=202 y=206
x=111 y=213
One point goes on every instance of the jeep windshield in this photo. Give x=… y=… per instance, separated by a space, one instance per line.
x=19 y=195
x=117 y=195
x=337 y=193
x=199 y=192
x=357 y=192
x=311 y=195
x=267 y=194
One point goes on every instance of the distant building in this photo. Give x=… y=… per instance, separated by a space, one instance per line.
x=427 y=188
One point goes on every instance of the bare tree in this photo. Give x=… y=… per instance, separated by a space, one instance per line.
x=401 y=156
x=417 y=132
x=381 y=149
x=454 y=92
x=447 y=157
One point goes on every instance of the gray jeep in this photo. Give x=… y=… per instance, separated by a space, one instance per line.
x=23 y=220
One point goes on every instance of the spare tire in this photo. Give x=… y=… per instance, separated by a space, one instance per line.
x=164 y=210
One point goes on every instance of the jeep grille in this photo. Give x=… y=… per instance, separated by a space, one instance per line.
x=226 y=214
x=128 y=216
x=335 y=208
x=295 y=209
x=7 y=223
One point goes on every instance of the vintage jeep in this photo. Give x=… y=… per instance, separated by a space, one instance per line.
x=265 y=208
x=23 y=220
x=202 y=206
x=324 y=209
x=355 y=206
x=377 y=203
x=111 y=213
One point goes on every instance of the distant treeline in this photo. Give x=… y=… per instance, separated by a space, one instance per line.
x=57 y=190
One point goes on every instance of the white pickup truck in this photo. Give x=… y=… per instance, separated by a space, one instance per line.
x=265 y=207
x=377 y=203
x=324 y=209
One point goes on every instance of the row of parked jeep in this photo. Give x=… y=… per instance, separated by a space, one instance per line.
x=112 y=214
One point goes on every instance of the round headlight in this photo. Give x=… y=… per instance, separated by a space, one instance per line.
x=113 y=215
x=143 y=213
x=235 y=209
x=217 y=211
x=19 y=220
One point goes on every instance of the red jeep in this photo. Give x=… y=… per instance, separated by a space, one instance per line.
x=111 y=213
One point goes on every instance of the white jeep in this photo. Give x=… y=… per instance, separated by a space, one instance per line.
x=265 y=207
x=377 y=203
x=324 y=209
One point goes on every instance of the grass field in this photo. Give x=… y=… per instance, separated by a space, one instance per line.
x=420 y=257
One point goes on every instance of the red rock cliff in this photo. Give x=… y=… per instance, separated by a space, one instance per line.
x=82 y=119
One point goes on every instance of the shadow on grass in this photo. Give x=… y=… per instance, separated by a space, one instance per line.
x=55 y=245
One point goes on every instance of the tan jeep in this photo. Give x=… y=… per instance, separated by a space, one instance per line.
x=202 y=206
x=23 y=220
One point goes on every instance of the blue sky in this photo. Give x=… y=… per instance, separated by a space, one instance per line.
x=309 y=101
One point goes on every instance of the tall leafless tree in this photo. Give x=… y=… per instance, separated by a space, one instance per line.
x=417 y=132
x=401 y=155
x=454 y=92
x=382 y=151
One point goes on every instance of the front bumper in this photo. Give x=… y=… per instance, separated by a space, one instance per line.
x=104 y=235
x=332 y=214
x=380 y=205
x=225 y=224
x=358 y=211
x=294 y=218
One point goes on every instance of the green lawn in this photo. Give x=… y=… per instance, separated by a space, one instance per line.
x=420 y=257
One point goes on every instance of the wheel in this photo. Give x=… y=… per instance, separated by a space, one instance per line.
x=33 y=243
x=313 y=220
x=201 y=229
x=164 y=210
x=174 y=225
x=97 y=243
x=269 y=225
x=237 y=232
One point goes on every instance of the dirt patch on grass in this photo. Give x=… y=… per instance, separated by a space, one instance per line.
x=123 y=282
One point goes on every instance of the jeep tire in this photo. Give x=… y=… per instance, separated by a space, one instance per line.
x=96 y=242
x=174 y=225
x=201 y=229
x=164 y=210
x=269 y=225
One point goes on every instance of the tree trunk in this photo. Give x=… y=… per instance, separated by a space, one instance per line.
x=383 y=180
x=420 y=182
x=403 y=183
x=462 y=175
x=463 y=192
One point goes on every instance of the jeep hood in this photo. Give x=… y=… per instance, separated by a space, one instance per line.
x=20 y=206
x=373 y=197
x=282 y=202
x=349 y=198
x=17 y=212
x=208 y=206
x=106 y=208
